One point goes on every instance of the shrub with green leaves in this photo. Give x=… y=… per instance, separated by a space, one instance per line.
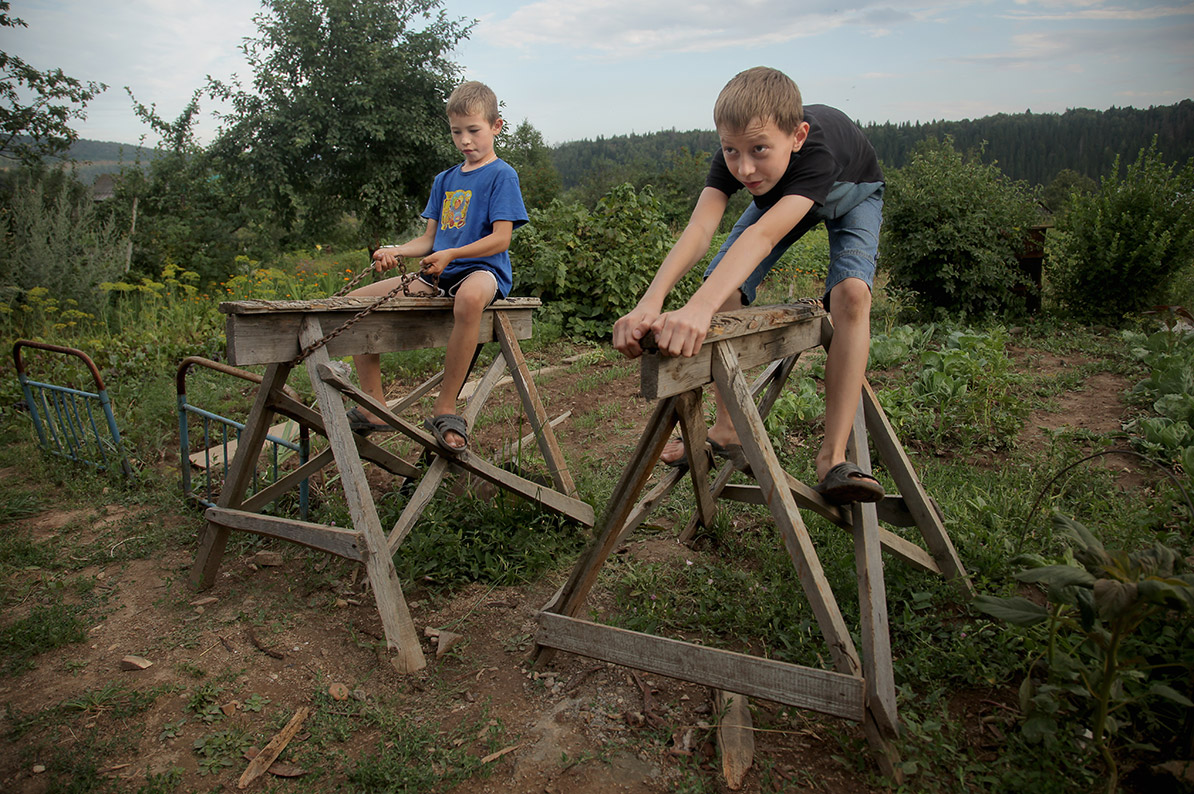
x=54 y=237
x=962 y=398
x=590 y=268
x=1169 y=390
x=1117 y=251
x=953 y=228
x=1115 y=655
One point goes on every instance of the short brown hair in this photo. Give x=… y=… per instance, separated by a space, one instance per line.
x=473 y=97
x=762 y=94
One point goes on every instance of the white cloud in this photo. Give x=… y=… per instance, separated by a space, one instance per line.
x=627 y=28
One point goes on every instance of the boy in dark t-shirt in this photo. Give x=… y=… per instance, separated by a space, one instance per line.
x=804 y=166
x=471 y=214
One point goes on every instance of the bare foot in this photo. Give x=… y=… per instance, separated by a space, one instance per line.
x=673 y=451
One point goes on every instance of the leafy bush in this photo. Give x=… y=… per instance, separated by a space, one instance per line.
x=590 y=268
x=54 y=237
x=1169 y=389
x=1117 y=251
x=953 y=228
x=962 y=398
x=1116 y=650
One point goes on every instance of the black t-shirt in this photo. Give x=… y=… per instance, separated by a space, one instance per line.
x=836 y=167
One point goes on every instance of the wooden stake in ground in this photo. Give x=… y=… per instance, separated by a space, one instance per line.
x=735 y=737
x=272 y=750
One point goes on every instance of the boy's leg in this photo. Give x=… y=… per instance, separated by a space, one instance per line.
x=845 y=368
x=472 y=297
x=853 y=248
x=368 y=365
x=722 y=431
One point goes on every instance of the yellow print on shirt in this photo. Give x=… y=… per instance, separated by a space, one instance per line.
x=455 y=211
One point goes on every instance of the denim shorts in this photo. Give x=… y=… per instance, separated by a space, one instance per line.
x=447 y=285
x=853 y=246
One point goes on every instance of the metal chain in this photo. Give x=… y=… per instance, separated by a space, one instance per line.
x=403 y=286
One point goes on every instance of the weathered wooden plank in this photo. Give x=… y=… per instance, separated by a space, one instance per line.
x=872 y=594
x=735 y=737
x=751 y=320
x=769 y=383
x=367 y=449
x=344 y=543
x=648 y=503
x=900 y=468
x=418 y=502
x=533 y=406
x=379 y=564
x=771 y=476
x=266 y=495
x=892 y=543
x=400 y=303
x=664 y=376
x=822 y=691
x=691 y=418
x=263 y=338
x=634 y=478
x=466 y=460
x=212 y=538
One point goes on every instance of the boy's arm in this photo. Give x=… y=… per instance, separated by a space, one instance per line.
x=493 y=243
x=390 y=256
x=681 y=333
x=686 y=252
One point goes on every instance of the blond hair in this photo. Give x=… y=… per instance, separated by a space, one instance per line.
x=474 y=98
x=760 y=94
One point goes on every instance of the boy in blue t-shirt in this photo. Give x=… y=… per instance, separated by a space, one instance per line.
x=804 y=166
x=471 y=214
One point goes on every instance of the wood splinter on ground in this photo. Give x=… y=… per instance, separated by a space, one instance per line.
x=735 y=737
x=272 y=750
x=444 y=640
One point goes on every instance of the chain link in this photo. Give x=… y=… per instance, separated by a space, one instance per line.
x=403 y=286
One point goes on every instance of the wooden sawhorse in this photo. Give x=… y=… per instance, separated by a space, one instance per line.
x=275 y=333
x=859 y=688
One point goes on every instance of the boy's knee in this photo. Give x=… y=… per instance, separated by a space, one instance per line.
x=851 y=298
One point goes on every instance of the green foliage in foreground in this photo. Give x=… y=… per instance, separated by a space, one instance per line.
x=1117 y=649
x=963 y=397
x=1169 y=390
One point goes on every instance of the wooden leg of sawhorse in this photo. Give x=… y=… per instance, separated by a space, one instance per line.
x=379 y=564
x=771 y=477
x=880 y=722
x=571 y=597
x=536 y=415
x=214 y=538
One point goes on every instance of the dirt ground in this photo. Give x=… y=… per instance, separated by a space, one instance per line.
x=575 y=727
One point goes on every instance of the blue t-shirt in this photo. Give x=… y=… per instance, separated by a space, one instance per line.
x=465 y=205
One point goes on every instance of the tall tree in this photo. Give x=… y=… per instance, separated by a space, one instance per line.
x=525 y=150
x=36 y=107
x=345 y=113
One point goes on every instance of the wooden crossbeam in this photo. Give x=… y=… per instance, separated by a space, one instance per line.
x=824 y=691
x=263 y=332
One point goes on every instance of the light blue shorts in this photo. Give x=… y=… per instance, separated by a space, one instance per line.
x=853 y=246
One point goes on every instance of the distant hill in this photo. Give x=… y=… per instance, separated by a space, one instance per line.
x=1028 y=146
x=93 y=158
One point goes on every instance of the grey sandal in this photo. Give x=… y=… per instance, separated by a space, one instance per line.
x=846 y=483
x=442 y=424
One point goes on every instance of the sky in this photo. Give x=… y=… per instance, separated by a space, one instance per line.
x=587 y=68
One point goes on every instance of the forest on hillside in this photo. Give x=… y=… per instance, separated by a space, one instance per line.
x=1028 y=146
